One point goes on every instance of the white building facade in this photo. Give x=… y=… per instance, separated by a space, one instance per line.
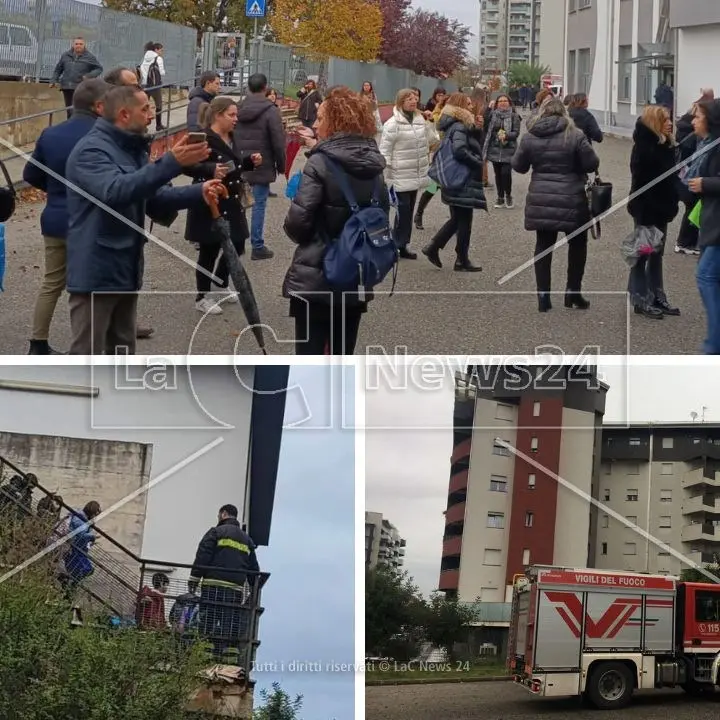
x=617 y=52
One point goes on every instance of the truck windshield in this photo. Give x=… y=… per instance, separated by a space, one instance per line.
x=707 y=606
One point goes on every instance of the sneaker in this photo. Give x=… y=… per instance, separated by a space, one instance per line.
x=261 y=253
x=686 y=251
x=509 y=204
x=500 y=203
x=231 y=298
x=207 y=307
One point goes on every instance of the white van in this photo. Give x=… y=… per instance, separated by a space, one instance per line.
x=18 y=50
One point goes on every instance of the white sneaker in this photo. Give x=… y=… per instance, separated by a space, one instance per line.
x=208 y=307
x=500 y=203
x=231 y=297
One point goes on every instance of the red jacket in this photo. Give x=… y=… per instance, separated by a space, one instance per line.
x=150 y=614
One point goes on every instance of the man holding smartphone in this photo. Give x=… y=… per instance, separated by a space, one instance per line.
x=111 y=187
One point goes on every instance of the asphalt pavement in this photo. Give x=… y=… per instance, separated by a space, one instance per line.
x=506 y=701
x=432 y=312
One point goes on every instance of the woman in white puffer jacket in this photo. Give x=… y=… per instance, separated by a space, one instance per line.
x=407 y=140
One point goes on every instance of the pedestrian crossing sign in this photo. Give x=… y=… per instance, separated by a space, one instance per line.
x=255 y=8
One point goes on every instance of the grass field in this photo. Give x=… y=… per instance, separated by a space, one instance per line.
x=455 y=671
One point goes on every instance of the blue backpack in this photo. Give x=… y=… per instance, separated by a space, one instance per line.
x=446 y=170
x=365 y=252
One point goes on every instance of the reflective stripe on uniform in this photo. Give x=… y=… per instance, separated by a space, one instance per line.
x=234 y=544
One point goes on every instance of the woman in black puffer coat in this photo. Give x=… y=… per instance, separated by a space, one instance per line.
x=460 y=127
x=345 y=126
x=560 y=157
x=654 y=153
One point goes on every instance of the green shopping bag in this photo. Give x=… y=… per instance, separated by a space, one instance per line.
x=694 y=216
x=432 y=188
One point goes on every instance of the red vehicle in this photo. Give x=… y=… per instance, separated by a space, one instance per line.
x=605 y=634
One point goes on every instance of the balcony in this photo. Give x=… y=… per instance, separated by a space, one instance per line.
x=458 y=482
x=697 y=532
x=461 y=450
x=455 y=514
x=452 y=545
x=449 y=580
x=705 y=503
x=703 y=476
x=701 y=558
x=121 y=588
x=491 y=613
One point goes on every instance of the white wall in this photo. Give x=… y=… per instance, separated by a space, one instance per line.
x=177 y=421
x=552 y=35
x=697 y=62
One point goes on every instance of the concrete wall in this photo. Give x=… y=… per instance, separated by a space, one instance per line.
x=689 y=13
x=198 y=406
x=552 y=35
x=82 y=470
x=19 y=99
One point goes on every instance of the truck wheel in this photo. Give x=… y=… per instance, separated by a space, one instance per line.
x=610 y=686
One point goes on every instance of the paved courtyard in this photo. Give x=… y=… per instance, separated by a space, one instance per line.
x=432 y=311
x=505 y=701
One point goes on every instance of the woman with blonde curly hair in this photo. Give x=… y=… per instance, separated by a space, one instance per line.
x=327 y=321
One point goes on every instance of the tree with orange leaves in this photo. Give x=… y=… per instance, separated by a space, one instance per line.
x=349 y=29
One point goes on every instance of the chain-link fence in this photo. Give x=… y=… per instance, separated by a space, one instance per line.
x=35 y=33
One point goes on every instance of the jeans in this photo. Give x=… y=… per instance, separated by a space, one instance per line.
x=52 y=287
x=460 y=225
x=257 y=222
x=646 y=277
x=404 y=217
x=577 y=257
x=503 y=179
x=708 y=281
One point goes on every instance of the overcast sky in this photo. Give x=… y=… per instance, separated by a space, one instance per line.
x=408 y=469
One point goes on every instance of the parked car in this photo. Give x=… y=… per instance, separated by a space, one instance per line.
x=18 y=50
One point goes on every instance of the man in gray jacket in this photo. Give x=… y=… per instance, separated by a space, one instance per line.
x=260 y=130
x=74 y=66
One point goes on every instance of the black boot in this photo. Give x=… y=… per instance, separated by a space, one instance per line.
x=159 y=127
x=649 y=311
x=41 y=347
x=433 y=255
x=466 y=266
x=665 y=307
x=406 y=254
x=574 y=299
x=425 y=199
x=544 y=303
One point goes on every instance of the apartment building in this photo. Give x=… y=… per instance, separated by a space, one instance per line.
x=383 y=544
x=696 y=25
x=502 y=512
x=617 y=52
x=665 y=479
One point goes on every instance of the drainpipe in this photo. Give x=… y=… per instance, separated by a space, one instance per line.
x=610 y=65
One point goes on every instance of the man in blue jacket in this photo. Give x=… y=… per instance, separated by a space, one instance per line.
x=111 y=187
x=52 y=150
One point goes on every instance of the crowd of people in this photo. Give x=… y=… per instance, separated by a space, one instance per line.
x=102 y=152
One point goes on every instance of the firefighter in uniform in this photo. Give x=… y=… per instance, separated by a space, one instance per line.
x=224 y=561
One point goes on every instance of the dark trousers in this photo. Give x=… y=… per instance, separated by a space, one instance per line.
x=459 y=225
x=156 y=97
x=645 y=284
x=688 y=235
x=207 y=259
x=322 y=328
x=103 y=323
x=404 y=217
x=68 y=100
x=577 y=257
x=503 y=179
x=222 y=619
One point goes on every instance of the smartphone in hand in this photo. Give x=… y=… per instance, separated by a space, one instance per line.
x=196 y=137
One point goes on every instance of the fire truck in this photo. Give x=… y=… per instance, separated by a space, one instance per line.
x=605 y=634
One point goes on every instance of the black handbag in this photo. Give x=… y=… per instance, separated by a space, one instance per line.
x=8 y=196
x=600 y=200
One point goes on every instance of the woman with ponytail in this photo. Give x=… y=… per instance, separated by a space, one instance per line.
x=218 y=119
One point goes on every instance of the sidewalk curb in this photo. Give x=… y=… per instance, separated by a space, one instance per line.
x=438 y=681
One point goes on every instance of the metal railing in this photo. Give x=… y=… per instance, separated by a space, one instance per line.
x=225 y=616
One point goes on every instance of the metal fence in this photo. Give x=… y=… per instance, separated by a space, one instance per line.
x=35 y=33
x=287 y=69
